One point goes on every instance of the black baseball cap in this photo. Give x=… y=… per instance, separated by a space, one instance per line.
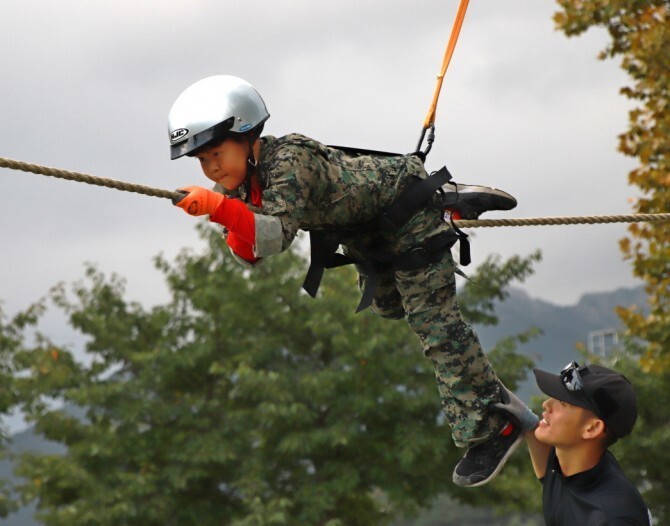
x=607 y=393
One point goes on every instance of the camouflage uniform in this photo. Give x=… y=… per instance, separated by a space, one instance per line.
x=308 y=186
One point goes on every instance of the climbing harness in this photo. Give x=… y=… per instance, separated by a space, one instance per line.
x=323 y=255
x=324 y=244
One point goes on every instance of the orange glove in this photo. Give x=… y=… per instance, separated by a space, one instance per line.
x=198 y=201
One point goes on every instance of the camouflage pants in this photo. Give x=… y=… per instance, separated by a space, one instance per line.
x=426 y=298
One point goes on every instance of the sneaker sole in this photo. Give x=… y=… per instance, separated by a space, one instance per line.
x=462 y=482
x=473 y=200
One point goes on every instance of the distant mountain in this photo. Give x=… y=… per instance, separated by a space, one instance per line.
x=562 y=328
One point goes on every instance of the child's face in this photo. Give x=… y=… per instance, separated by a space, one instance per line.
x=225 y=163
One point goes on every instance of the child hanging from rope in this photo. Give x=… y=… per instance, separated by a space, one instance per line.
x=385 y=212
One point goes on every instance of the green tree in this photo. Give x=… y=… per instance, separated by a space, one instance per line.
x=12 y=337
x=10 y=343
x=640 y=35
x=240 y=402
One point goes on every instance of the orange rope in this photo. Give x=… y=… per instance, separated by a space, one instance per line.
x=453 y=38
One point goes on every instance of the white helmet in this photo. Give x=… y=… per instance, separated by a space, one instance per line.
x=211 y=108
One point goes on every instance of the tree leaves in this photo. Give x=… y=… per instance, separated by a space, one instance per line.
x=640 y=35
x=240 y=401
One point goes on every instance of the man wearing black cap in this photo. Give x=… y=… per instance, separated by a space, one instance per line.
x=589 y=409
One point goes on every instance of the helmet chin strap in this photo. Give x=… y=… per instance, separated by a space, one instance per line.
x=252 y=163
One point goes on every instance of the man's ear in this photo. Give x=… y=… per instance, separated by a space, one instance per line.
x=594 y=428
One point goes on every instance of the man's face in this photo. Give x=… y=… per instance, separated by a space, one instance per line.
x=225 y=163
x=562 y=424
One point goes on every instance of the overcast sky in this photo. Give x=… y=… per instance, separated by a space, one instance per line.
x=87 y=86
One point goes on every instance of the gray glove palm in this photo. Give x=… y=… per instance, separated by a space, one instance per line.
x=514 y=407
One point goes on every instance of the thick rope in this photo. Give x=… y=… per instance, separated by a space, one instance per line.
x=85 y=178
x=462 y=223
x=565 y=220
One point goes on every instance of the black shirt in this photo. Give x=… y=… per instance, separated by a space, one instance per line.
x=597 y=497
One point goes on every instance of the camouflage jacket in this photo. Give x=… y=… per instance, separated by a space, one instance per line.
x=310 y=186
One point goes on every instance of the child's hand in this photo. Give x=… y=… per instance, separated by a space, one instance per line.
x=198 y=201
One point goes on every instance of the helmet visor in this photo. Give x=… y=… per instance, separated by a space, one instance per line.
x=190 y=144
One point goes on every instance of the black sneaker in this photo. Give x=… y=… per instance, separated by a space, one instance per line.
x=470 y=201
x=484 y=461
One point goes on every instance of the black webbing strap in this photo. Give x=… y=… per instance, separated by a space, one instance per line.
x=367 y=268
x=323 y=246
x=375 y=153
x=431 y=250
x=464 y=256
x=323 y=256
x=411 y=199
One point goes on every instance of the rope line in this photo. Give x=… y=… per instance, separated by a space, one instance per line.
x=563 y=220
x=86 y=178
x=461 y=223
